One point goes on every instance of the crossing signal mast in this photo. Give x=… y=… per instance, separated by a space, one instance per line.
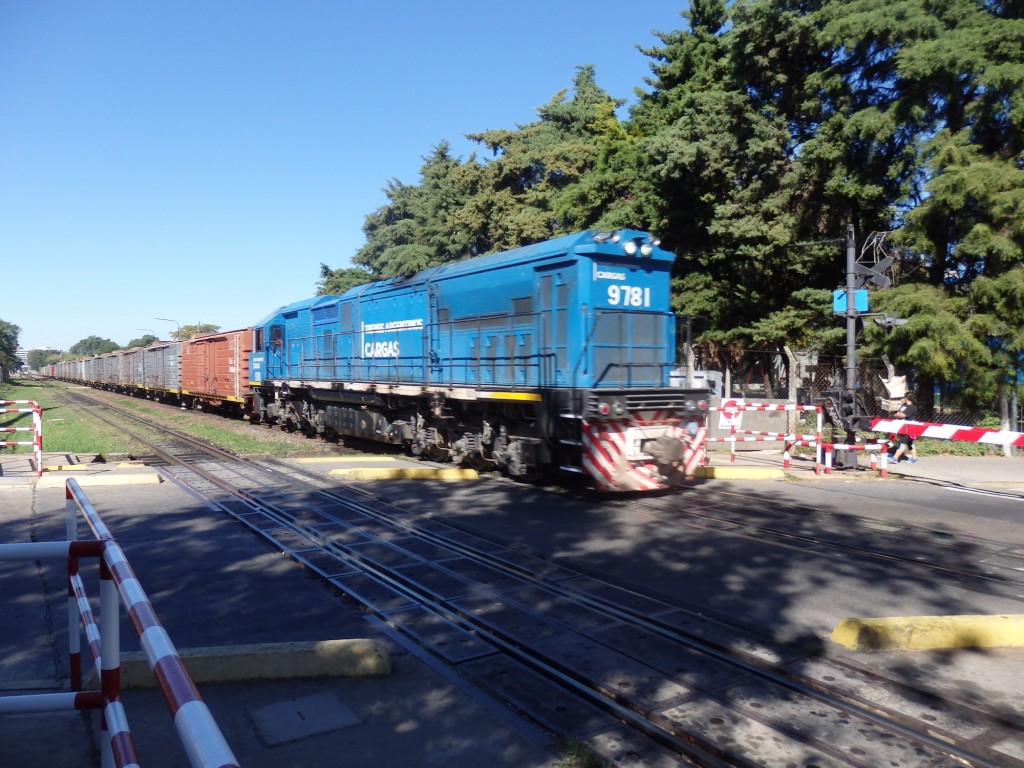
x=846 y=407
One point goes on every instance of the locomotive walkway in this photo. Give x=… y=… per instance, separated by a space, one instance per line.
x=213 y=584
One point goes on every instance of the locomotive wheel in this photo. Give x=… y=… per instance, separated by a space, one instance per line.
x=477 y=462
x=437 y=453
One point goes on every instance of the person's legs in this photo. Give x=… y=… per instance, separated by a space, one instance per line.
x=903 y=447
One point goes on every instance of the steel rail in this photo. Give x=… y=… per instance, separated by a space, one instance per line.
x=710 y=754
x=746 y=662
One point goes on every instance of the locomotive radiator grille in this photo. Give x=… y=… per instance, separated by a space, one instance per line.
x=622 y=403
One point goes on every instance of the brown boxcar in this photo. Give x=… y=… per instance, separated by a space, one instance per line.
x=215 y=370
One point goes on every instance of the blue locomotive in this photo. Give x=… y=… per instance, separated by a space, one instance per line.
x=554 y=355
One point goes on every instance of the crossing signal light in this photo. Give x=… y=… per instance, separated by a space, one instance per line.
x=845 y=409
x=889 y=322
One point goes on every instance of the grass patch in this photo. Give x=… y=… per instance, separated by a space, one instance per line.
x=242 y=443
x=71 y=429
x=239 y=443
x=66 y=429
x=576 y=755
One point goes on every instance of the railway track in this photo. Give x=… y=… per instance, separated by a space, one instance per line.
x=641 y=678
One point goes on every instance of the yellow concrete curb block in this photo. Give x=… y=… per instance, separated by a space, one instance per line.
x=407 y=473
x=271 y=661
x=918 y=633
x=741 y=473
x=101 y=478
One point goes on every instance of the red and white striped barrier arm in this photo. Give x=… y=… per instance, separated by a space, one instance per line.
x=764 y=407
x=203 y=741
x=918 y=429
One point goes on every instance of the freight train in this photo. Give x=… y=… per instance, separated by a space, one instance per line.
x=554 y=356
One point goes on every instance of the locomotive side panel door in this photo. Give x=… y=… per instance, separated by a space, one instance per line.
x=553 y=299
x=344 y=346
x=276 y=351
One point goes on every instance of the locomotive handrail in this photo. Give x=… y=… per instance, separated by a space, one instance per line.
x=318 y=361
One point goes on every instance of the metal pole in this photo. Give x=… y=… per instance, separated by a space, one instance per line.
x=851 y=310
x=689 y=351
x=848 y=458
x=1015 y=423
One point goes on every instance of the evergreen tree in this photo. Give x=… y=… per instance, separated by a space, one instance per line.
x=334 y=282
x=723 y=177
x=551 y=176
x=997 y=320
x=765 y=128
x=967 y=83
x=416 y=228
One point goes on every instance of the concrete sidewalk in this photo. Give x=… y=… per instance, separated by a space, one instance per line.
x=215 y=585
x=969 y=471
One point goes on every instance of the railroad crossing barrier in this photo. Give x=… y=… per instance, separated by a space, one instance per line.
x=878 y=464
x=918 y=429
x=731 y=413
x=203 y=742
x=36 y=429
x=732 y=410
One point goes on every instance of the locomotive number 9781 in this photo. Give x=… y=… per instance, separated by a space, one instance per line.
x=555 y=356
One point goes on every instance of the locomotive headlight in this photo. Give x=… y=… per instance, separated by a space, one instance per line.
x=629 y=247
x=646 y=249
x=612 y=408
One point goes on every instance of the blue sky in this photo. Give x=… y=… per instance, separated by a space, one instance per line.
x=199 y=160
